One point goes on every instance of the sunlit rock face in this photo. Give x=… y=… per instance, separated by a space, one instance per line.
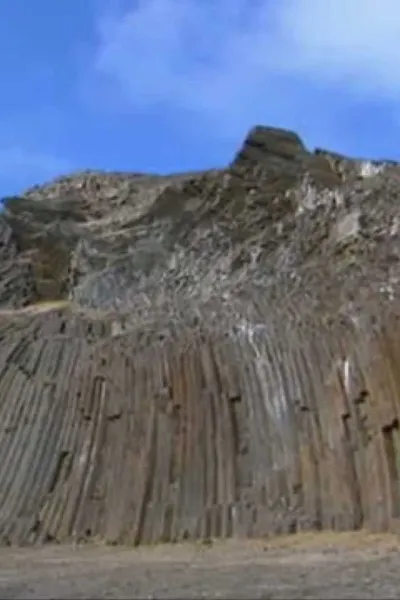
x=202 y=354
x=276 y=216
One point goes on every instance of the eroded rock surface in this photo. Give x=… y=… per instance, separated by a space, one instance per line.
x=204 y=354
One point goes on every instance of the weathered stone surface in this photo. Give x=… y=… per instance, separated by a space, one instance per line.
x=267 y=145
x=205 y=354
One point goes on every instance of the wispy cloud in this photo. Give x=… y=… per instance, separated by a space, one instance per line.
x=352 y=42
x=231 y=60
x=20 y=167
x=14 y=158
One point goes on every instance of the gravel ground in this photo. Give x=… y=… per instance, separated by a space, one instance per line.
x=324 y=565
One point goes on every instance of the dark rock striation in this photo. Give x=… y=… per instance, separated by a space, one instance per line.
x=203 y=354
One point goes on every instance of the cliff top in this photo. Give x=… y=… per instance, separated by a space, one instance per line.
x=292 y=222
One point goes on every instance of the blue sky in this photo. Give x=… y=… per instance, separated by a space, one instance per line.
x=171 y=85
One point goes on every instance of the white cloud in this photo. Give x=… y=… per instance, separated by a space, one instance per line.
x=14 y=158
x=228 y=59
x=356 y=42
x=22 y=167
x=190 y=54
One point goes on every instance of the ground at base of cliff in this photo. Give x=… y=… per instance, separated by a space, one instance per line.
x=348 y=565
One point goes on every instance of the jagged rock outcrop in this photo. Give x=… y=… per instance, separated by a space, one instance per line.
x=204 y=354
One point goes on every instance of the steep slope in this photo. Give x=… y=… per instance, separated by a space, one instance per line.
x=204 y=354
x=118 y=241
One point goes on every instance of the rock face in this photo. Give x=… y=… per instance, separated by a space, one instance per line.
x=205 y=354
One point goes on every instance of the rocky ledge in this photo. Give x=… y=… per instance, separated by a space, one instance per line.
x=278 y=216
x=203 y=354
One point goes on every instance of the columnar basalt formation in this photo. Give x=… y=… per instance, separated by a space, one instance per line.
x=202 y=355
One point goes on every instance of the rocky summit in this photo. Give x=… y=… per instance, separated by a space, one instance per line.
x=279 y=219
x=206 y=354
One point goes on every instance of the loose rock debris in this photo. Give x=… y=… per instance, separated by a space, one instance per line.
x=311 y=566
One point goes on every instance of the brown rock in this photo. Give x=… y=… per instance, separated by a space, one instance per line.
x=202 y=355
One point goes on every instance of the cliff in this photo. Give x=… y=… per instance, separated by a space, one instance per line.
x=202 y=354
